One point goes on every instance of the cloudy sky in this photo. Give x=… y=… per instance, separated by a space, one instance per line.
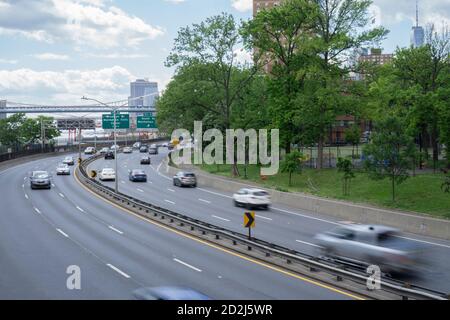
x=55 y=51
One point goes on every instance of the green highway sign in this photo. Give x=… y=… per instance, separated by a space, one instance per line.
x=146 y=121
x=122 y=121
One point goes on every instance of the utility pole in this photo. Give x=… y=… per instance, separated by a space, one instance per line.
x=115 y=151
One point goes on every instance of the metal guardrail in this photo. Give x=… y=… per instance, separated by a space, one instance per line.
x=403 y=290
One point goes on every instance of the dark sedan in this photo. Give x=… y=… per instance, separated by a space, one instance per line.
x=137 y=175
x=146 y=160
x=143 y=149
x=40 y=180
x=109 y=155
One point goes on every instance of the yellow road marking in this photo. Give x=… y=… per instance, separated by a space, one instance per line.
x=222 y=249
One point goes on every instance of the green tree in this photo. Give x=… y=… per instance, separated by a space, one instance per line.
x=388 y=152
x=10 y=129
x=213 y=45
x=292 y=164
x=353 y=136
x=281 y=36
x=339 y=30
x=346 y=167
x=31 y=129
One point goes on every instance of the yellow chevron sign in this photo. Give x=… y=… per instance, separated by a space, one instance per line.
x=249 y=219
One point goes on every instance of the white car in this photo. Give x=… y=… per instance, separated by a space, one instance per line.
x=89 y=150
x=107 y=174
x=127 y=150
x=252 y=198
x=114 y=147
x=104 y=150
x=69 y=161
x=62 y=169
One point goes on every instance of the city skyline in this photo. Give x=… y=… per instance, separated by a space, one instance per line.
x=75 y=52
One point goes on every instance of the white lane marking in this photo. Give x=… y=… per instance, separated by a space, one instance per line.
x=26 y=196
x=168 y=201
x=61 y=195
x=118 y=271
x=62 y=232
x=80 y=209
x=140 y=190
x=25 y=178
x=205 y=201
x=308 y=243
x=423 y=241
x=171 y=190
x=122 y=182
x=37 y=210
x=187 y=265
x=116 y=230
x=262 y=217
x=305 y=216
x=150 y=182
x=53 y=185
x=23 y=186
x=216 y=193
x=220 y=218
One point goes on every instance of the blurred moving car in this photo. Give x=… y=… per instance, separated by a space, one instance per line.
x=146 y=160
x=63 y=170
x=153 y=150
x=107 y=174
x=252 y=198
x=137 y=175
x=137 y=145
x=127 y=150
x=114 y=147
x=143 y=149
x=169 y=293
x=90 y=150
x=109 y=155
x=182 y=179
x=104 y=150
x=372 y=245
x=40 y=179
x=69 y=161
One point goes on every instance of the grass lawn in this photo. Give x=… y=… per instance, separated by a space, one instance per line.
x=420 y=194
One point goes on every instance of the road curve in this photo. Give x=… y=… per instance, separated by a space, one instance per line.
x=43 y=232
x=282 y=225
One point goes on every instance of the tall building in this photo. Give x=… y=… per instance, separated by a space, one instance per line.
x=263 y=4
x=376 y=56
x=2 y=106
x=143 y=93
x=417 y=32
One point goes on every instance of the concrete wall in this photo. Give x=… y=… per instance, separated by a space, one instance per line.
x=408 y=222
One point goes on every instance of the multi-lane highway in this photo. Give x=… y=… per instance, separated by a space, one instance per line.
x=282 y=225
x=43 y=232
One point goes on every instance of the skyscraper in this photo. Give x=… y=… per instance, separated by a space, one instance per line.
x=140 y=91
x=2 y=105
x=417 y=32
x=263 y=4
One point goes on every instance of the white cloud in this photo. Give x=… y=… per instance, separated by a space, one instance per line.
x=50 y=56
x=242 y=5
x=118 y=55
x=430 y=11
x=67 y=86
x=85 y=22
x=8 y=61
x=243 y=56
x=175 y=1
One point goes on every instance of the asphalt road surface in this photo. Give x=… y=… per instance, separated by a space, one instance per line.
x=44 y=232
x=282 y=225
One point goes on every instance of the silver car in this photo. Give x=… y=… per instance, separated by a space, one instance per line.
x=372 y=245
x=63 y=169
x=40 y=180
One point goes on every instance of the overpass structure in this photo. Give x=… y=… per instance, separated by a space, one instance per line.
x=15 y=107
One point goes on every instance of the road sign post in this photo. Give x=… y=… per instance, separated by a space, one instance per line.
x=249 y=222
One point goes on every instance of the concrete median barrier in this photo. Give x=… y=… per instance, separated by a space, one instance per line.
x=405 y=221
